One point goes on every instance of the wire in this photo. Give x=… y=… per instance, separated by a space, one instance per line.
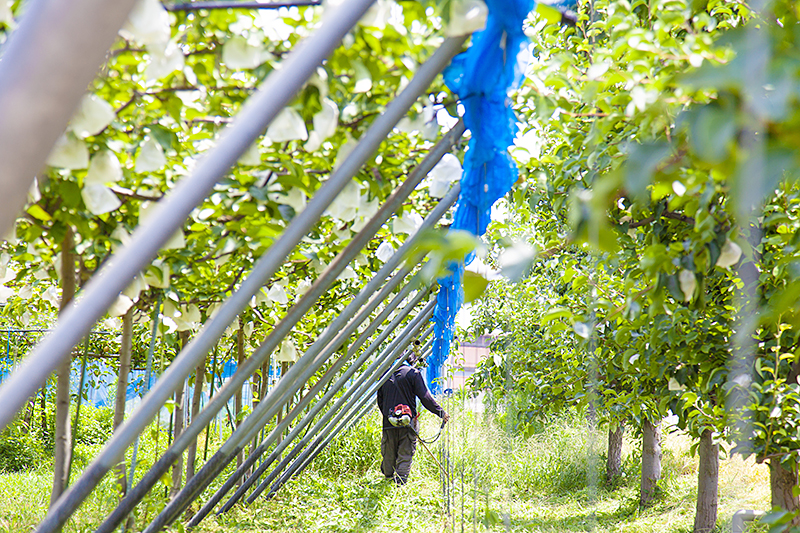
x=433 y=439
x=195 y=6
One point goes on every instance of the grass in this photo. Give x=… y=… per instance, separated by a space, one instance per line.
x=548 y=482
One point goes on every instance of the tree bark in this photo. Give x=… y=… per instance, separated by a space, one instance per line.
x=125 y=349
x=705 y=518
x=177 y=468
x=197 y=394
x=284 y=370
x=43 y=409
x=614 y=461
x=262 y=393
x=30 y=412
x=63 y=432
x=651 y=462
x=781 y=483
x=237 y=399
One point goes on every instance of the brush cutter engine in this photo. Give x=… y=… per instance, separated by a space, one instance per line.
x=400 y=416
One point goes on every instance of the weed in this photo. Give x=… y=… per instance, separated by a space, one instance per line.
x=546 y=481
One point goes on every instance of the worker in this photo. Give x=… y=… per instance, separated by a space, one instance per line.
x=397 y=400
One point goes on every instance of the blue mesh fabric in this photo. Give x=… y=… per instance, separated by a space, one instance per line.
x=481 y=77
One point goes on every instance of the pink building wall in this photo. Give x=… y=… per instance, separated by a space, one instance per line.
x=464 y=361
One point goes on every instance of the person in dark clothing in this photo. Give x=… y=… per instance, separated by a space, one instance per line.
x=398 y=444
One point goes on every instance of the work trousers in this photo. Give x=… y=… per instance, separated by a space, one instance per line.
x=397 y=448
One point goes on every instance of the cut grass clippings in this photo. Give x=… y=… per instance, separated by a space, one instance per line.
x=547 y=482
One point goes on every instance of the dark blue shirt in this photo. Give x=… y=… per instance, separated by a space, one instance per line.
x=404 y=387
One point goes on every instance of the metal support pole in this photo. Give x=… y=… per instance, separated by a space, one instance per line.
x=274 y=434
x=278 y=396
x=344 y=426
x=193 y=489
x=432 y=218
x=332 y=429
x=48 y=62
x=744 y=515
x=170 y=213
x=263 y=270
x=353 y=393
x=341 y=382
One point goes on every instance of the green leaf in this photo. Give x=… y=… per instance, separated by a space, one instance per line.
x=474 y=286
x=38 y=213
x=642 y=164
x=713 y=128
x=554 y=314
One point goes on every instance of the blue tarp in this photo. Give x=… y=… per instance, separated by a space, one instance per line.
x=481 y=77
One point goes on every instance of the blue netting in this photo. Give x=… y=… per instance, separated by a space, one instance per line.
x=481 y=77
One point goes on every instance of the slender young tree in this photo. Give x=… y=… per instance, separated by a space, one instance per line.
x=197 y=394
x=125 y=355
x=177 y=469
x=63 y=434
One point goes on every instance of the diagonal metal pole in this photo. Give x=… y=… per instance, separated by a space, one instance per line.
x=352 y=394
x=358 y=401
x=284 y=424
x=263 y=270
x=266 y=442
x=193 y=489
x=320 y=445
x=340 y=384
x=274 y=434
x=47 y=63
x=170 y=213
x=345 y=422
x=303 y=367
x=432 y=218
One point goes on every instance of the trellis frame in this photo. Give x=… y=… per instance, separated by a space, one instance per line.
x=101 y=291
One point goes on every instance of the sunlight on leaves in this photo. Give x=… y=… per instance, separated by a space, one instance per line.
x=70 y=153
x=99 y=199
x=288 y=125
x=151 y=157
x=104 y=168
x=93 y=116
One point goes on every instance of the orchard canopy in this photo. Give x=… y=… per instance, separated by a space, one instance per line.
x=274 y=182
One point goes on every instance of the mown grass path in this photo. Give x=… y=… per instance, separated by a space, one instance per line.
x=544 y=483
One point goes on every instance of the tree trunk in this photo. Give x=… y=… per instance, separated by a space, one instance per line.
x=30 y=412
x=43 y=409
x=237 y=399
x=263 y=388
x=197 y=394
x=651 y=462
x=63 y=433
x=125 y=349
x=705 y=518
x=614 y=461
x=177 y=468
x=284 y=370
x=781 y=483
